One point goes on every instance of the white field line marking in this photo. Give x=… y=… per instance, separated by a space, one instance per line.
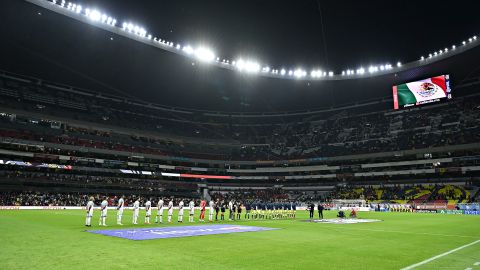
x=439 y=256
x=469 y=268
x=477 y=264
x=416 y=233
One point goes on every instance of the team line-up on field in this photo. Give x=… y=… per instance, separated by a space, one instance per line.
x=235 y=211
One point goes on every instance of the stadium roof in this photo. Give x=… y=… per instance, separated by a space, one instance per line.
x=55 y=47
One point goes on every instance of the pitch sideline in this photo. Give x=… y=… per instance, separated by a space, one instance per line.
x=439 y=256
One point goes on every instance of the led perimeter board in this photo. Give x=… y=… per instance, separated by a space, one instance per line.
x=420 y=92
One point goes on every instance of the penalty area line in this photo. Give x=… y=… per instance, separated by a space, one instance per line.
x=439 y=256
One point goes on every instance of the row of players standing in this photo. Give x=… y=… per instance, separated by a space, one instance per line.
x=235 y=210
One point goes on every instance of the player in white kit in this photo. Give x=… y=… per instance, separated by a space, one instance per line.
x=120 y=207
x=136 y=211
x=191 y=206
x=180 y=211
x=211 y=206
x=160 y=207
x=103 y=212
x=89 y=208
x=170 y=211
x=148 y=211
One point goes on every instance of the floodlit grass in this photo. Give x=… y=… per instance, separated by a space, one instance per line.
x=56 y=239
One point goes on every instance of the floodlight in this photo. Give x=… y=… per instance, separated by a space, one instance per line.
x=187 y=49
x=95 y=15
x=204 y=54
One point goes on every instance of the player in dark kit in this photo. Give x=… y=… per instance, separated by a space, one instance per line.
x=311 y=207
x=247 y=211
x=222 y=214
x=217 y=209
x=239 y=211
x=320 y=211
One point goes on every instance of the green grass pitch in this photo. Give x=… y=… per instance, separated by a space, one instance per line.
x=55 y=239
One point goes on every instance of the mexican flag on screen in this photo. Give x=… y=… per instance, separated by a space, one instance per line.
x=419 y=91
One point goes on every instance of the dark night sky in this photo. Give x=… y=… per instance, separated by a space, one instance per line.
x=279 y=33
x=290 y=32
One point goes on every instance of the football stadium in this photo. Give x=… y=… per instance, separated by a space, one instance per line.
x=239 y=134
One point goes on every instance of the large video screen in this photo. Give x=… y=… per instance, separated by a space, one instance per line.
x=420 y=92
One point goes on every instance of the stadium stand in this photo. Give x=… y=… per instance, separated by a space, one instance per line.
x=60 y=138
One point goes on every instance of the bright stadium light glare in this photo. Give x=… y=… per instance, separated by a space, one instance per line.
x=399 y=64
x=470 y=40
x=330 y=73
x=290 y=73
x=298 y=73
x=464 y=42
x=252 y=66
x=204 y=54
x=422 y=58
x=78 y=9
x=282 y=72
x=188 y=49
x=248 y=66
x=95 y=15
x=240 y=64
x=454 y=47
x=474 y=37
